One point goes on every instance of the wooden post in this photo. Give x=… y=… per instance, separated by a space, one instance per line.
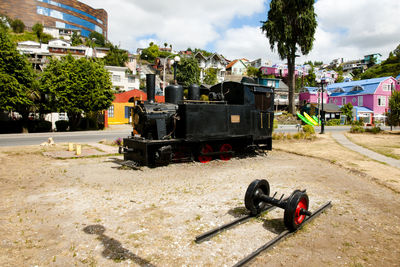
x=70 y=147
x=78 y=150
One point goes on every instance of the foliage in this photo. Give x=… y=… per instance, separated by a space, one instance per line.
x=290 y=24
x=5 y=21
x=347 y=110
x=39 y=126
x=253 y=72
x=97 y=39
x=17 y=26
x=374 y=130
x=188 y=71
x=394 y=106
x=296 y=136
x=308 y=129
x=76 y=39
x=203 y=52
x=356 y=129
x=150 y=53
x=204 y=98
x=62 y=125
x=17 y=78
x=38 y=30
x=118 y=141
x=360 y=122
x=77 y=85
x=116 y=56
x=389 y=67
x=333 y=122
x=210 y=76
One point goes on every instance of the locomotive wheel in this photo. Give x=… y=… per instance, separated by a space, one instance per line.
x=251 y=200
x=204 y=150
x=294 y=214
x=225 y=148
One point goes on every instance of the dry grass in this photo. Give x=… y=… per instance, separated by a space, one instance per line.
x=325 y=147
x=386 y=144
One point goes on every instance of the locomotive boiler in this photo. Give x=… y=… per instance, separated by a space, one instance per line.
x=236 y=116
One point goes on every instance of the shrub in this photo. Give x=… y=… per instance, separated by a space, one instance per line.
x=308 y=129
x=62 y=125
x=18 y=26
x=117 y=142
x=39 y=126
x=14 y=126
x=356 y=129
x=358 y=123
x=333 y=122
x=374 y=130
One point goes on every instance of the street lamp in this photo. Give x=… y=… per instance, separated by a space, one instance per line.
x=322 y=83
x=176 y=60
x=165 y=62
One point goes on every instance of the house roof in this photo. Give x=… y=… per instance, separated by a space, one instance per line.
x=365 y=87
x=125 y=96
x=230 y=65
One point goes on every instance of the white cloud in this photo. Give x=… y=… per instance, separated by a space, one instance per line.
x=348 y=29
x=183 y=23
x=246 y=42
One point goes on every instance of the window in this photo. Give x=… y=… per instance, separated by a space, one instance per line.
x=360 y=101
x=131 y=79
x=127 y=112
x=111 y=111
x=343 y=100
x=354 y=100
x=382 y=101
x=62 y=116
x=67 y=17
x=116 y=78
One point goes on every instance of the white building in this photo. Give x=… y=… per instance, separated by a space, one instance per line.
x=123 y=79
x=214 y=61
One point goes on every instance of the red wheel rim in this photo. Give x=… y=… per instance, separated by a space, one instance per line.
x=205 y=149
x=225 y=148
x=299 y=218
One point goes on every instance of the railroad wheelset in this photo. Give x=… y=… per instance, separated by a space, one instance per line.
x=295 y=206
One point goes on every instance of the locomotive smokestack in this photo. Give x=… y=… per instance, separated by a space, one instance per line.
x=151 y=87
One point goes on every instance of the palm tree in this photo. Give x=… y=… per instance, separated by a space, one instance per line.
x=291 y=25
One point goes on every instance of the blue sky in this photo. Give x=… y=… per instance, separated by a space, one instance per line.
x=347 y=29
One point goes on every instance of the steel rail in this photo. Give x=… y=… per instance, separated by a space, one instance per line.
x=281 y=236
x=213 y=232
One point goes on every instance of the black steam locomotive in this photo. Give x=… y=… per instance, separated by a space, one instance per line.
x=237 y=116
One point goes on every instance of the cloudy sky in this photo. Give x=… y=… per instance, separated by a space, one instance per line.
x=346 y=28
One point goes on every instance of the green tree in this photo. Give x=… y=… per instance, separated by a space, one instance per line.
x=18 y=88
x=76 y=39
x=116 y=56
x=17 y=26
x=77 y=86
x=210 y=76
x=150 y=53
x=96 y=39
x=394 y=106
x=291 y=24
x=253 y=72
x=38 y=30
x=188 y=71
x=347 y=110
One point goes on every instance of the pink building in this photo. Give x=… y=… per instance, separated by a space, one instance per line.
x=370 y=98
x=311 y=95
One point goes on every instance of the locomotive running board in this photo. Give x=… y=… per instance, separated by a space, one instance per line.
x=281 y=236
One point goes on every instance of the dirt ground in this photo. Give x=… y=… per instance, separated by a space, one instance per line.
x=93 y=212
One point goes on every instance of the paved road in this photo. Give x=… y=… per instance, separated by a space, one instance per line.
x=75 y=137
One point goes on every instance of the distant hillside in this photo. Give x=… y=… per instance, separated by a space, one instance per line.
x=389 y=67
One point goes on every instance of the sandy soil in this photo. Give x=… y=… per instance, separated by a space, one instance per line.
x=93 y=212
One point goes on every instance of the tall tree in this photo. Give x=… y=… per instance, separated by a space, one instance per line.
x=17 y=79
x=188 y=71
x=394 y=106
x=38 y=30
x=291 y=25
x=76 y=86
x=116 y=56
x=18 y=26
x=96 y=39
